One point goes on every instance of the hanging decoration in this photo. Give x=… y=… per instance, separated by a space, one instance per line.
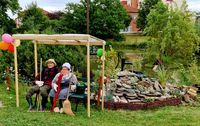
x=8 y=43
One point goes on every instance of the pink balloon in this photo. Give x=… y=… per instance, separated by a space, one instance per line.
x=7 y=38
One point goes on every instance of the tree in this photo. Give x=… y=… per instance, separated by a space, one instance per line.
x=144 y=10
x=197 y=23
x=6 y=23
x=34 y=21
x=33 y=18
x=107 y=18
x=172 y=33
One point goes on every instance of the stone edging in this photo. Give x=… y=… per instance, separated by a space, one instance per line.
x=141 y=106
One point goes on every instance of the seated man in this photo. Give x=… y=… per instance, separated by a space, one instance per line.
x=60 y=85
x=44 y=85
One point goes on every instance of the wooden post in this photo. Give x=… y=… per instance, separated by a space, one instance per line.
x=88 y=16
x=35 y=58
x=102 y=101
x=16 y=76
x=88 y=78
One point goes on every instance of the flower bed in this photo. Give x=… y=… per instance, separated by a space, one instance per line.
x=141 y=106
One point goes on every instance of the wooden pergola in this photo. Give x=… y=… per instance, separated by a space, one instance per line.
x=60 y=39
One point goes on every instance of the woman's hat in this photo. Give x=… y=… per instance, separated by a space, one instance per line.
x=67 y=65
x=50 y=60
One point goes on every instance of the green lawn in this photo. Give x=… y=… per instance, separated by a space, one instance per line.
x=130 y=39
x=165 y=116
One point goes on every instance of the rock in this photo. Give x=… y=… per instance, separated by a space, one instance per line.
x=115 y=99
x=118 y=99
x=128 y=82
x=141 y=96
x=130 y=91
x=153 y=95
x=134 y=101
x=123 y=100
x=161 y=98
x=157 y=86
x=124 y=73
x=151 y=90
x=131 y=98
x=192 y=92
x=167 y=90
x=137 y=91
x=126 y=86
x=134 y=80
x=118 y=82
x=112 y=80
x=120 y=89
x=131 y=95
x=158 y=94
x=124 y=79
x=186 y=98
x=118 y=94
x=140 y=88
x=144 y=83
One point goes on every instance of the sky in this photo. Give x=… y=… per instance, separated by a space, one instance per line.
x=49 y=5
x=194 y=5
x=53 y=5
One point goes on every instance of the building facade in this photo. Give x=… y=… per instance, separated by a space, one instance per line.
x=132 y=8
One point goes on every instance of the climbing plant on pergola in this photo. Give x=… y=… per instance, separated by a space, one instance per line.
x=60 y=39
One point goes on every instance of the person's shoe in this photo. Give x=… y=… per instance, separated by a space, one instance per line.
x=61 y=110
x=56 y=109
x=29 y=100
x=30 y=108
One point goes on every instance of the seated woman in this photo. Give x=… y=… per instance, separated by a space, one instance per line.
x=60 y=85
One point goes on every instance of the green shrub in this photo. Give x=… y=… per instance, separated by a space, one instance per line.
x=119 y=37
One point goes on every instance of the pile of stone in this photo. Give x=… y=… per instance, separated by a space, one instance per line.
x=132 y=87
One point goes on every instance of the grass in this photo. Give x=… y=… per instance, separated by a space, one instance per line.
x=164 y=116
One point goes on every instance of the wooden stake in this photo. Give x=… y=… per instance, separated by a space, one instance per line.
x=35 y=58
x=102 y=101
x=88 y=79
x=16 y=76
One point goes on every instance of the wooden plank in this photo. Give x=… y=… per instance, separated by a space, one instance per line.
x=40 y=111
x=16 y=77
x=64 y=42
x=51 y=37
x=97 y=39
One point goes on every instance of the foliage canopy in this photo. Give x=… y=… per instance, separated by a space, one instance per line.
x=172 y=33
x=144 y=10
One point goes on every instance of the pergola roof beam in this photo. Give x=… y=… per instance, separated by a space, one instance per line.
x=51 y=37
